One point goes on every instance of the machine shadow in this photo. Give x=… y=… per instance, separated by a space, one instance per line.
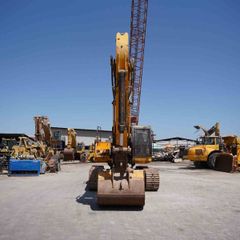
x=194 y=168
x=189 y=168
x=90 y=198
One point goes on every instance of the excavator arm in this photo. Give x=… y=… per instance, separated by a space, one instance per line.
x=122 y=70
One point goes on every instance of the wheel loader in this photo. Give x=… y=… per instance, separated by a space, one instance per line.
x=123 y=182
x=100 y=149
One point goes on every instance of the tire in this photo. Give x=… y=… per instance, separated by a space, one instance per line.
x=212 y=160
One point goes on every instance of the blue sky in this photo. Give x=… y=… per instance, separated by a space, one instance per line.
x=54 y=60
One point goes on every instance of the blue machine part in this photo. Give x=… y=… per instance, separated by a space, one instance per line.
x=24 y=166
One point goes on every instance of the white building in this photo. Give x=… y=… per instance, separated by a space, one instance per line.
x=87 y=136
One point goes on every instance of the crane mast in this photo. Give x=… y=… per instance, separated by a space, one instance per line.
x=137 y=45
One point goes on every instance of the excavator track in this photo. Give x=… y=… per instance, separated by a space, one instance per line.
x=152 y=179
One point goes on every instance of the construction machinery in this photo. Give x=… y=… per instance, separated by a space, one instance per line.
x=43 y=131
x=6 y=145
x=46 y=149
x=208 y=146
x=26 y=148
x=69 y=151
x=81 y=152
x=38 y=149
x=100 y=150
x=90 y=151
x=74 y=151
x=229 y=159
x=213 y=151
x=123 y=183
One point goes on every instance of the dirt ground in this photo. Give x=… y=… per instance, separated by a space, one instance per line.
x=190 y=204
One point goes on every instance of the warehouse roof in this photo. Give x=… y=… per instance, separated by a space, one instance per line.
x=175 y=138
x=14 y=135
x=83 y=129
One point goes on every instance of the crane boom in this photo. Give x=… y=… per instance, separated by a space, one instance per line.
x=137 y=45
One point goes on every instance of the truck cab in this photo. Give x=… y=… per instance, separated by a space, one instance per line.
x=205 y=146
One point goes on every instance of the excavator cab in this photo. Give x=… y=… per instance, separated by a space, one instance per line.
x=209 y=140
x=141 y=144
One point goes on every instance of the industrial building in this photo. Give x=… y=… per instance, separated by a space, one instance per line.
x=87 y=136
x=174 y=141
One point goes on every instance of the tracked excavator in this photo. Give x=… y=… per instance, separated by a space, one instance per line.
x=123 y=182
x=74 y=151
x=69 y=151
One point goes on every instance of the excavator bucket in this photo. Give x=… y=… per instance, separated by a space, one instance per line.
x=116 y=190
x=225 y=162
x=68 y=154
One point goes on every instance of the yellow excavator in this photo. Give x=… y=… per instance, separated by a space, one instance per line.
x=124 y=183
x=69 y=151
x=74 y=151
